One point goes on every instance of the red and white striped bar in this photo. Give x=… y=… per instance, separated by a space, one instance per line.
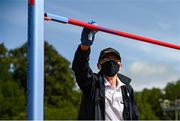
x=65 y=20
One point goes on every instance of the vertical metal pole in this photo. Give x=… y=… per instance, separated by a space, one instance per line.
x=176 y=114
x=176 y=110
x=35 y=82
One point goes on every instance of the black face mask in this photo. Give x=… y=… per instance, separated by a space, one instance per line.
x=110 y=68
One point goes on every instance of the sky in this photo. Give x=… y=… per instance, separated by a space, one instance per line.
x=147 y=65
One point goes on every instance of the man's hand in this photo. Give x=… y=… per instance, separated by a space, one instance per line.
x=87 y=37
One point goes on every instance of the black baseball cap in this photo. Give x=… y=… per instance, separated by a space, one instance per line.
x=107 y=51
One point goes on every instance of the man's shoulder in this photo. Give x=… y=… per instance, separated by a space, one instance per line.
x=124 y=79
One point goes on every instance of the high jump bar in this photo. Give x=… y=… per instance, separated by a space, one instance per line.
x=65 y=20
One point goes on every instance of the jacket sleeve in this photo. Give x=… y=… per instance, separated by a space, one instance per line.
x=82 y=70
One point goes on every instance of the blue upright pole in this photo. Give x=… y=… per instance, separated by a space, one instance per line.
x=35 y=82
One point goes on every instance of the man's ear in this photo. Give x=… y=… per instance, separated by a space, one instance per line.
x=99 y=66
x=120 y=65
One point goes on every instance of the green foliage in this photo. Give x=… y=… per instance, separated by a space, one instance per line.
x=18 y=58
x=145 y=109
x=61 y=100
x=64 y=110
x=148 y=104
x=172 y=93
x=4 y=63
x=148 y=101
x=12 y=100
x=172 y=90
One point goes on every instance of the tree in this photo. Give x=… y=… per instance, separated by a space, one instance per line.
x=4 y=63
x=146 y=105
x=12 y=100
x=60 y=95
x=61 y=99
x=172 y=94
x=172 y=90
x=153 y=95
x=18 y=58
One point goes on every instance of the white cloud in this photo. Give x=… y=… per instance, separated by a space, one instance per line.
x=147 y=75
x=164 y=26
x=147 y=70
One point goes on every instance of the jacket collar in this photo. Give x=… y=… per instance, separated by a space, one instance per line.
x=124 y=79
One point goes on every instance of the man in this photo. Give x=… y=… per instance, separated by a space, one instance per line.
x=108 y=94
